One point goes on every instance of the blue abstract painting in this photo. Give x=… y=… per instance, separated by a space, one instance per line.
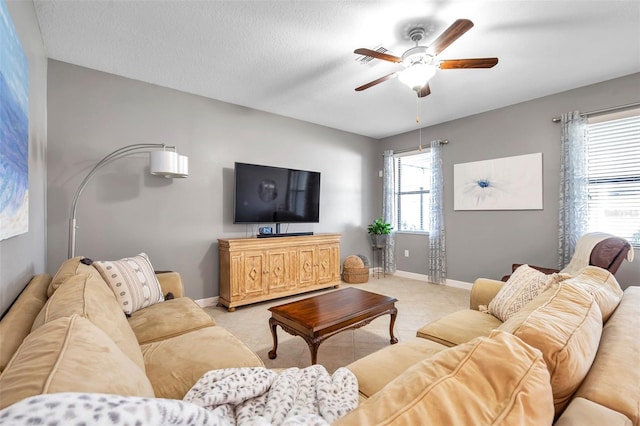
x=14 y=131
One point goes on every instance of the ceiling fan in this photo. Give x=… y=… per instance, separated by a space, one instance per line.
x=421 y=62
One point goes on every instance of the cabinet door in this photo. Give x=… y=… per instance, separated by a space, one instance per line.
x=326 y=263
x=279 y=270
x=307 y=266
x=254 y=274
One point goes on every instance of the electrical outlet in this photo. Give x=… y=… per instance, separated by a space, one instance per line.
x=379 y=173
x=406 y=253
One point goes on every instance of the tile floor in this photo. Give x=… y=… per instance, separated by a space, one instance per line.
x=418 y=303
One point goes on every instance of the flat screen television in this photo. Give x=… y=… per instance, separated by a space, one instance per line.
x=266 y=194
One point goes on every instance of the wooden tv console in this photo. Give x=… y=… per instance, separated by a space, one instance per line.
x=258 y=269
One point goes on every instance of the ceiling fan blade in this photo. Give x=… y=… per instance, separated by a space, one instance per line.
x=450 y=64
x=425 y=91
x=450 y=35
x=378 y=81
x=377 y=55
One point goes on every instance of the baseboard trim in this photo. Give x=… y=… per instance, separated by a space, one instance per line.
x=459 y=284
x=412 y=275
x=422 y=277
x=208 y=302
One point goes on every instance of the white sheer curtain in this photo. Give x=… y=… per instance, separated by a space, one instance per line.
x=437 y=250
x=573 y=185
x=388 y=210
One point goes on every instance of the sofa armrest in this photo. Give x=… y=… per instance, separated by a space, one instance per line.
x=483 y=291
x=170 y=282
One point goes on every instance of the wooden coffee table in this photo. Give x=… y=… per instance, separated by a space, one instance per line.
x=317 y=318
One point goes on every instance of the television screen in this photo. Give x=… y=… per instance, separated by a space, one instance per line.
x=265 y=194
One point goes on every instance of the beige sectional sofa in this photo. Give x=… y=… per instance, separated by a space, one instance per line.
x=586 y=330
x=552 y=361
x=69 y=334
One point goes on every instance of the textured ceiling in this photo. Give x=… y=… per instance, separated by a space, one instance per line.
x=295 y=58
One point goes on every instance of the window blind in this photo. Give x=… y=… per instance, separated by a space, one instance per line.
x=614 y=177
x=413 y=184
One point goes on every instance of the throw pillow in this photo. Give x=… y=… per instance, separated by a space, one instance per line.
x=524 y=284
x=132 y=280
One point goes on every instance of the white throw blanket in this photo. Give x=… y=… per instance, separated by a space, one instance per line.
x=582 y=254
x=259 y=396
x=234 y=396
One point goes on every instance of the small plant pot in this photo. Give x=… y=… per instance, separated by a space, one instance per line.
x=378 y=240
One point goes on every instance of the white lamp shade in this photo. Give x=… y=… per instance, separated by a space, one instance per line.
x=417 y=75
x=163 y=163
x=183 y=166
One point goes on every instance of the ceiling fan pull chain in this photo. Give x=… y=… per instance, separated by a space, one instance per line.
x=417 y=122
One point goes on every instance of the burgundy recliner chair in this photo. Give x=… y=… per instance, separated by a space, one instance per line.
x=607 y=254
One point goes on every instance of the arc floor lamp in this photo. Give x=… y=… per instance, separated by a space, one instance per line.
x=163 y=161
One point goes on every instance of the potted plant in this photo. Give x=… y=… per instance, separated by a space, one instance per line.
x=379 y=231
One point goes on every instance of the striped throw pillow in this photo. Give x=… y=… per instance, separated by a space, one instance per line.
x=132 y=280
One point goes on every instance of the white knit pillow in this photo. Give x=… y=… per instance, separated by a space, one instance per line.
x=524 y=284
x=132 y=280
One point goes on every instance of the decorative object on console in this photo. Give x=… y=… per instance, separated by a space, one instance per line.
x=163 y=161
x=509 y=183
x=132 y=280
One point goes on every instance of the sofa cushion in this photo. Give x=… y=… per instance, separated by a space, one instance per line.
x=522 y=286
x=390 y=362
x=489 y=380
x=167 y=319
x=132 y=280
x=614 y=378
x=602 y=285
x=582 y=412
x=566 y=328
x=69 y=268
x=174 y=365
x=89 y=297
x=16 y=324
x=70 y=355
x=459 y=327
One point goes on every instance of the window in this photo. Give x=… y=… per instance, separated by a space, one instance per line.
x=614 y=177
x=413 y=185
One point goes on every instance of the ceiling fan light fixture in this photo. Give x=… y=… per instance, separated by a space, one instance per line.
x=416 y=76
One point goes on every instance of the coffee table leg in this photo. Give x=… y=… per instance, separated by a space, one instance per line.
x=313 y=348
x=272 y=325
x=394 y=313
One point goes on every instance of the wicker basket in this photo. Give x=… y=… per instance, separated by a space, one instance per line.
x=355 y=275
x=354 y=271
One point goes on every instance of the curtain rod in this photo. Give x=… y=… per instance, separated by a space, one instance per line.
x=602 y=111
x=419 y=148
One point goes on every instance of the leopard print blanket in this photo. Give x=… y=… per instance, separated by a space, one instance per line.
x=234 y=396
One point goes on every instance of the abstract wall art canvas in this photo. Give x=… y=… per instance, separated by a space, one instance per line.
x=510 y=183
x=14 y=131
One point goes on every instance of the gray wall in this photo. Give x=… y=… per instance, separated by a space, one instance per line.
x=486 y=243
x=124 y=210
x=24 y=255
